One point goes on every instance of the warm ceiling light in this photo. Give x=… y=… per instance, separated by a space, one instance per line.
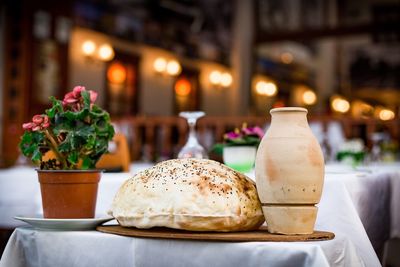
x=286 y=58
x=340 y=105
x=160 y=64
x=309 y=97
x=116 y=73
x=266 y=88
x=226 y=79
x=271 y=89
x=173 y=68
x=88 y=48
x=215 y=77
x=261 y=87
x=386 y=114
x=106 y=52
x=183 y=87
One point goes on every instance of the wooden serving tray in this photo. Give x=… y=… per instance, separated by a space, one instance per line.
x=256 y=235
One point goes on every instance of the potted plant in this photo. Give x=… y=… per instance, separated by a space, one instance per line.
x=66 y=142
x=351 y=152
x=239 y=147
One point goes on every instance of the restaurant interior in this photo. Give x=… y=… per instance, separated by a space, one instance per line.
x=154 y=62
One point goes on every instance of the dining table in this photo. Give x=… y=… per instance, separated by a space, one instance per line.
x=359 y=205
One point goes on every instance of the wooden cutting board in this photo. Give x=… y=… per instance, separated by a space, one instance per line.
x=256 y=235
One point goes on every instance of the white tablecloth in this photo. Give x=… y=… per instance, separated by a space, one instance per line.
x=342 y=205
x=20 y=192
x=375 y=193
x=29 y=247
x=351 y=247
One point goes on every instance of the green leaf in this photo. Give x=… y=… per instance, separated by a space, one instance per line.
x=97 y=112
x=36 y=155
x=73 y=157
x=218 y=149
x=76 y=116
x=30 y=145
x=66 y=145
x=87 y=163
x=90 y=142
x=86 y=99
x=26 y=138
x=85 y=131
x=56 y=108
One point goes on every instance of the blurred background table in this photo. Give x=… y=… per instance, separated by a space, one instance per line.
x=375 y=193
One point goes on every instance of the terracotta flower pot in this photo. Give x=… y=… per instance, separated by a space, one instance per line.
x=69 y=193
x=289 y=172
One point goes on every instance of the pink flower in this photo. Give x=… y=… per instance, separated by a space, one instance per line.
x=28 y=126
x=232 y=135
x=74 y=98
x=37 y=119
x=36 y=128
x=69 y=98
x=77 y=91
x=253 y=131
x=39 y=123
x=258 y=131
x=93 y=96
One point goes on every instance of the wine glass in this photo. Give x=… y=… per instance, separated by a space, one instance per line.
x=192 y=148
x=376 y=139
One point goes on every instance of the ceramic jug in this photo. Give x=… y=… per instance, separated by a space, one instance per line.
x=289 y=172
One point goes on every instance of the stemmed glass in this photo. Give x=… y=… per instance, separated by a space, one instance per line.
x=377 y=139
x=192 y=148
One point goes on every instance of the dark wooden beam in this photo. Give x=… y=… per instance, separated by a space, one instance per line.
x=311 y=34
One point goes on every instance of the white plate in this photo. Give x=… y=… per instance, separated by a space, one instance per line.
x=38 y=222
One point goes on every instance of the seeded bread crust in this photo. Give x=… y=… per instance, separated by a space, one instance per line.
x=189 y=194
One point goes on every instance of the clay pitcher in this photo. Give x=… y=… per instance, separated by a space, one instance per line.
x=289 y=172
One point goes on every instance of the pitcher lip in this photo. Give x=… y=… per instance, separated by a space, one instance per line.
x=288 y=109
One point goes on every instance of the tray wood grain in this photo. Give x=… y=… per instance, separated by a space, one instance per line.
x=256 y=235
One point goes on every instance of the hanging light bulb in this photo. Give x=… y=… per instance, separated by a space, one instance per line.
x=160 y=65
x=339 y=104
x=386 y=114
x=215 y=77
x=106 y=52
x=173 y=68
x=266 y=88
x=226 y=79
x=309 y=97
x=88 y=48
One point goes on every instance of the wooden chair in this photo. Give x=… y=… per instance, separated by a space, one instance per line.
x=117 y=159
x=150 y=137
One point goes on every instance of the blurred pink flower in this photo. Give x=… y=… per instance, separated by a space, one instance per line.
x=37 y=119
x=93 y=96
x=232 y=135
x=74 y=98
x=76 y=92
x=69 y=98
x=257 y=131
x=39 y=123
x=28 y=126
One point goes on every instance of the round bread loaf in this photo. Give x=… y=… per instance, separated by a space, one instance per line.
x=189 y=194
